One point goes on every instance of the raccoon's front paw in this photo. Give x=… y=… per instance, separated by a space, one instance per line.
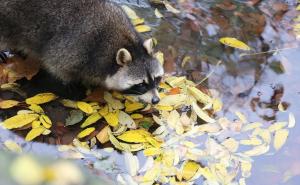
x=4 y=55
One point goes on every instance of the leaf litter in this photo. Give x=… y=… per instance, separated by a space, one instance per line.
x=182 y=138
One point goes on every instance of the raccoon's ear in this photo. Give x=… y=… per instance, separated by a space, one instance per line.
x=148 y=45
x=123 y=57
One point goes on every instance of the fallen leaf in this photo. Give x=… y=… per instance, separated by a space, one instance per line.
x=131 y=163
x=143 y=28
x=74 y=117
x=86 y=132
x=36 y=108
x=189 y=169
x=6 y=104
x=19 y=120
x=93 y=118
x=235 y=43
x=134 y=136
x=280 y=138
x=35 y=132
x=85 y=107
x=13 y=146
x=170 y=8
x=201 y=114
x=41 y=98
x=292 y=120
x=157 y=13
x=103 y=136
x=112 y=119
x=45 y=120
x=130 y=13
x=130 y=107
x=126 y=120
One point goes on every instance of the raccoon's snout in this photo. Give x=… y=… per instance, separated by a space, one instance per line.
x=155 y=100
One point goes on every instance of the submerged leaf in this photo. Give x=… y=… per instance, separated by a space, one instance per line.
x=235 y=43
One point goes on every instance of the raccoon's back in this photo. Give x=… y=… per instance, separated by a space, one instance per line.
x=67 y=35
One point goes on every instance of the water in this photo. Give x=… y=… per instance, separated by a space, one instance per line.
x=252 y=84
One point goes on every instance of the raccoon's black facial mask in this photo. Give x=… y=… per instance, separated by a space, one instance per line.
x=143 y=87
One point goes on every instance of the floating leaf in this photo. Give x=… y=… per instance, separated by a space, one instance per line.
x=112 y=119
x=189 y=169
x=75 y=117
x=157 y=13
x=235 y=43
x=203 y=115
x=143 y=28
x=45 y=120
x=85 y=107
x=231 y=144
x=131 y=163
x=277 y=126
x=280 y=138
x=281 y=107
x=86 y=132
x=6 y=104
x=170 y=8
x=103 y=136
x=241 y=116
x=199 y=95
x=258 y=150
x=91 y=120
x=130 y=13
x=252 y=141
x=13 y=146
x=41 y=98
x=35 y=132
x=19 y=120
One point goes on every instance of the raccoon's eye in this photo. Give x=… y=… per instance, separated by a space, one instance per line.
x=157 y=80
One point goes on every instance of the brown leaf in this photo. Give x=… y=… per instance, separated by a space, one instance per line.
x=96 y=96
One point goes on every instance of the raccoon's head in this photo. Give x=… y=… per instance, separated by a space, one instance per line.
x=139 y=74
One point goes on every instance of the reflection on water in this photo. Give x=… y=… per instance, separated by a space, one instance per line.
x=252 y=84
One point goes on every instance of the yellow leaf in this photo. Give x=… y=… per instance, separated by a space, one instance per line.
x=86 y=132
x=280 y=138
x=6 y=104
x=252 y=141
x=103 y=136
x=199 y=95
x=69 y=103
x=35 y=132
x=85 y=107
x=130 y=107
x=137 y=21
x=91 y=120
x=13 y=146
x=292 y=120
x=126 y=120
x=35 y=124
x=258 y=150
x=143 y=28
x=235 y=43
x=134 y=136
x=217 y=105
x=281 y=107
x=152 y=151
x=153 y=141
x=19 y=120
x=36 y=108
x=136 y=116
x=112 y=119
x=157 y=13
x=231 y=144
x=174 y=81
x=103 y=111
x=45 y=120
x=130 y=13
x=277 y=126
x=201 y=114
x=173 y=100
x=241 y=116
x=114 y=103
x=41 y=98
x=170 y=8
x=164 y=108
x=246 y=168
x=189 y=169
x=160 y=57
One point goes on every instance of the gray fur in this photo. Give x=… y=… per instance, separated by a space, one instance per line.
x=76 y=40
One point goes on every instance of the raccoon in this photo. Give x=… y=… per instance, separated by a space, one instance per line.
x=87 y=41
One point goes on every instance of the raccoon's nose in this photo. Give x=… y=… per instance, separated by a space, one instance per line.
x=155 y=100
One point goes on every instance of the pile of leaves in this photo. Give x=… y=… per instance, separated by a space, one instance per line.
x=181 y=137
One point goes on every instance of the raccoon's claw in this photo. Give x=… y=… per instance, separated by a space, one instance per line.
x=4 y=55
